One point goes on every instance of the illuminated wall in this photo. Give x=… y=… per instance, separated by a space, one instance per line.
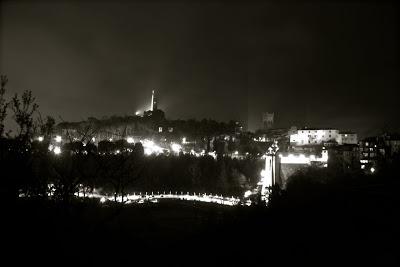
x=313 y=136
x=270 y=175
x=318 y=136
x=291 y=163
x=303 y=159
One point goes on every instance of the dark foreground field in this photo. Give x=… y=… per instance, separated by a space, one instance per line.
x=186 y=233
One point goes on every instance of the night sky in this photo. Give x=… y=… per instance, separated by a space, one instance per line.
x=330 y=64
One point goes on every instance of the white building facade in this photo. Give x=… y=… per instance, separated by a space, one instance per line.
x=318 y=136
x=313 y=136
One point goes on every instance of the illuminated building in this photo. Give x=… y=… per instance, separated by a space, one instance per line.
x=378 y=149
x=308 y=136
x=313 y=136
x=345 y=157
x=392 y=144
x=372 y=149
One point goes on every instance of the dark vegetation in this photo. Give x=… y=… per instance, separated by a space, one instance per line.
x=29 y=172
x=352 y=221
x=30 y=169
x=323 y=217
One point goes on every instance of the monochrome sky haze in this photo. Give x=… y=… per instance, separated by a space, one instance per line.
x=312 y=64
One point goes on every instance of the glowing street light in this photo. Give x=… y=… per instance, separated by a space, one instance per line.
x=372 y=169
x=150 y=147
x=247 y=193
x=176 y=147
x=58 y=139
x=40 y=138
x=137 y=113
x=57 y=150
x=130 y=140
x=148 y=143
x=147 y=151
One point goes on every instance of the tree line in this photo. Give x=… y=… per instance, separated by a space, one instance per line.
x=28 y=167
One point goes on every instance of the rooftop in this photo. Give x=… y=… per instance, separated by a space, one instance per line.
x=315 y=129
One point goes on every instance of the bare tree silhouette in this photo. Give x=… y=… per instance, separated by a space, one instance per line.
x=24 y=109
x=3 y=103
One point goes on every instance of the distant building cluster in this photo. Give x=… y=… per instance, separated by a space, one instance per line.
x=298 y=147
x=157 y=134
x=323 y=147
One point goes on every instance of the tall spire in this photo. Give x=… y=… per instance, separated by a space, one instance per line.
x=152 y=101
x=153 y=106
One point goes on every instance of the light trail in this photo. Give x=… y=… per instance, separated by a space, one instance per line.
x=140 y=198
